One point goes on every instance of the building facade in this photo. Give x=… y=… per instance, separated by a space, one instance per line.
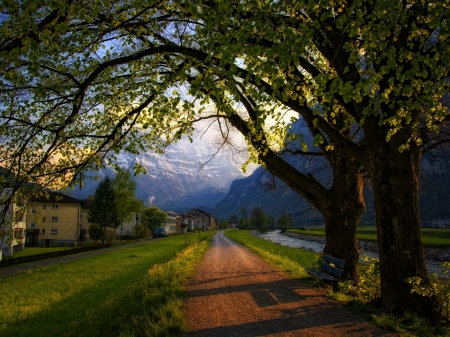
x=55 y=218
x=12 y=239
x=196 y=219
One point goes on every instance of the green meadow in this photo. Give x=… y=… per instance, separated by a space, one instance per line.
x=430 y=236
x=129 y=292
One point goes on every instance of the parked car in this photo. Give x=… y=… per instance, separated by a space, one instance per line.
x=160 y=232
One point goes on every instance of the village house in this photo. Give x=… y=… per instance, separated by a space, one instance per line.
x=53 y=219
x=126 y=228
x=198 y=219
x=12 y=238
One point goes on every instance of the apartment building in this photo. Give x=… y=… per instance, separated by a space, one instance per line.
x=198 y=219
x=55 y=218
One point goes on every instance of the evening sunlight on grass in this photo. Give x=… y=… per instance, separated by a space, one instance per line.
x=124 y=292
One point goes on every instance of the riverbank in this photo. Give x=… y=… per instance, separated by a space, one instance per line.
x=439 y=254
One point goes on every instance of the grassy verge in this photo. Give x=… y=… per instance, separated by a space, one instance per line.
x=294 y=260
x=430 y=236
x=105 y=295
x=38 y=250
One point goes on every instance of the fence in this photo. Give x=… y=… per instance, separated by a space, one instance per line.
x=38 y=257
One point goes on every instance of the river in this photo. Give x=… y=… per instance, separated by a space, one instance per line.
x=277 y=237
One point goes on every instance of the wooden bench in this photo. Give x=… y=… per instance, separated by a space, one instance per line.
x=331 y=271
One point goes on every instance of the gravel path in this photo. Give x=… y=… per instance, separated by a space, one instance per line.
x=236 y=293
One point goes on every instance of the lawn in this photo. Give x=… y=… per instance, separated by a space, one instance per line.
x=105 y=295
x=430 y=236
x=292 y=260
x=38 y=250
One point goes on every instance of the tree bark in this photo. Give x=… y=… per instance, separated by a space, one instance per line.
x=346 y=206
x=341 y=206
x=395 y=177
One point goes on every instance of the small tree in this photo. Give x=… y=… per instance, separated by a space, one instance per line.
x=125 y=188
x=140 y=231
x=270 y=221
x=153 y=217
x=224 y=224
x=95 y=232
x=258 y=218
x=103 y=211
x=284 y=221
x=233 y=219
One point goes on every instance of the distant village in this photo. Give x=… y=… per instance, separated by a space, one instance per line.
x=58 y=219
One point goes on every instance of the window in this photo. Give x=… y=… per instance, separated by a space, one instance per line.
x=44 y=206
x=33 y=210
x=44 y=219
x=32 y=225
x=54 y=218
x=53 y=231
x=81 y=226
x=81 y=216
x=55 y=206
x=137 y=219
x=42 y=231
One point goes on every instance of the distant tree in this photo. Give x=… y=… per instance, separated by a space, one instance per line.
x=234 y=220
x=140 y=231
x=95 y=232
x=243 y=223
x=284 y=221
x=244 y=216
x=224 y=224
x=125 y=188
x=270 y=221
x=104 y=211
x=258 y=218
x=153 y=217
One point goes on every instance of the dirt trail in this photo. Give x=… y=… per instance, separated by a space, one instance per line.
x=236 y=293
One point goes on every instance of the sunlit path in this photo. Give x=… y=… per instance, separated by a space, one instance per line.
x=235 y=293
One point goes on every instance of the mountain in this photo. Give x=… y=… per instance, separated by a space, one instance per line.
x=178 y=180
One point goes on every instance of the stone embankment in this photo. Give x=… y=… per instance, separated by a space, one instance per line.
x=440 y=254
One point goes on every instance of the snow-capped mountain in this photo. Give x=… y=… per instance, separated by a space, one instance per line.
x=188 y=175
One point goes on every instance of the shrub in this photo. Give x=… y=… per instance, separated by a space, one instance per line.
x=368 y=287
x=437 y=289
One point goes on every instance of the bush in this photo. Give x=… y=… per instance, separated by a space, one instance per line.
x=437 y=289
x=369 y=287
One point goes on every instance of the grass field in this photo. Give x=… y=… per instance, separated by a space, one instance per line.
x=292 y=260
x=38 y=250
x=113 y=294
x=430 y=236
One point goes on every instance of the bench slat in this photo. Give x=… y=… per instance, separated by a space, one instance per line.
x=332 y=270
x=329 y=259
x=319 y=274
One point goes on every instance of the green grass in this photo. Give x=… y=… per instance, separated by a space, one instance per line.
x=430 y=236
x=294 y=260
x=110 y=294
x=38 y=250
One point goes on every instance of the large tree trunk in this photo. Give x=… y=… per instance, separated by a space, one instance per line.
x=395 y=177
x=346 y=206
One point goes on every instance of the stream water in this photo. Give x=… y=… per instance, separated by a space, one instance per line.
x=277 y=237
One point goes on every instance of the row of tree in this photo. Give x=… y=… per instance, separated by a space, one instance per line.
x=259 y=219
x=368 y=79
x=114 y=203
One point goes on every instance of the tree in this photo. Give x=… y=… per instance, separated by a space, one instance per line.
x=125 y=188
x=244 y=217
x=103 y=211
x=367 y=77
x=153 y=217
x=270 y=221
x=233 y=220
x=140 y=231
x=258 y=218
x=284 y=221
x=224 y=224
x=95 y=232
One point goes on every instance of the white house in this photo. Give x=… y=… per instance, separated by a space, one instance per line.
x=12 y=238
